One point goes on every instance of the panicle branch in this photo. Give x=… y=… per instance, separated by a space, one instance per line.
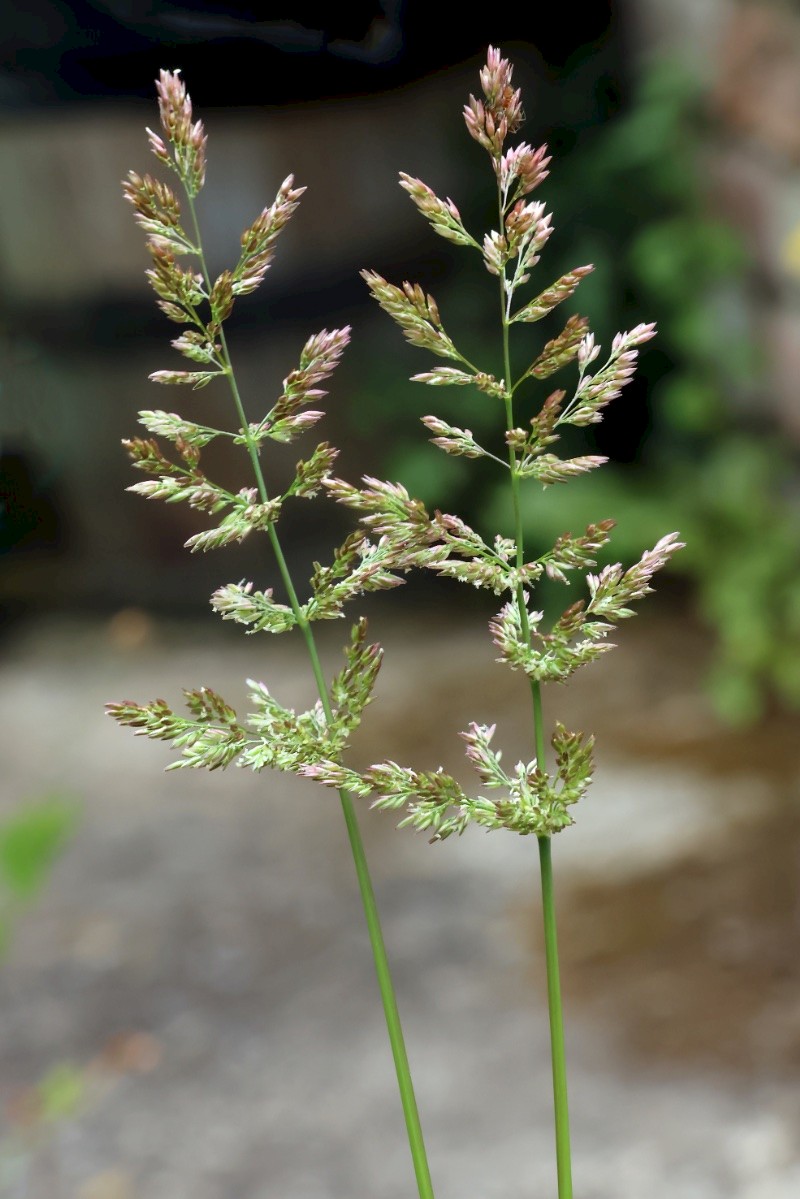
x=442 y=214
x=211 y=738
x=258 y=241
x=559 y=291
x=594 y=392
x=613 y=589
x=415 y=312
x=158 y=212
x=561 y=350
x=290 y=417
x=532 y=803
x=453 y=440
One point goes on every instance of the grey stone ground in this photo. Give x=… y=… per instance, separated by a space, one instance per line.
x=200 y=946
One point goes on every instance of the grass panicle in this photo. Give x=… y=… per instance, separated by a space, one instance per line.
x=211 y=734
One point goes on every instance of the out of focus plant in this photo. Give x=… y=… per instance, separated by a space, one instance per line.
x=31 y=839
x=36 y=1115
x=32 y=1121
x=710 y=458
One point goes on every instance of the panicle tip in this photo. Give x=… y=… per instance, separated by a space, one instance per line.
x=186 y=135
x=491 y=120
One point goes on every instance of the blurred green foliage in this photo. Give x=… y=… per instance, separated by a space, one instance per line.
x=61 y=1092
x=30 y=840
x=691 y=449
x=33 y=1118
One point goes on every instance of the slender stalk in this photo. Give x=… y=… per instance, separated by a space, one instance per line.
x=405 y=1084
x=554 y=1004
x=416 y=1141
x=556 y=1011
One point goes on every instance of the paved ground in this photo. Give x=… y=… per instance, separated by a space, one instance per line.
x=199 y=952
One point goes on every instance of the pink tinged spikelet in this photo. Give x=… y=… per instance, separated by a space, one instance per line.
x=523 y=217
x=523 y=166
x=174 y=106
x=452 y=439
x=635 y=337
x=552 y=296
x=491 y=120
x=639 y=576
x=549 y=468
x=198 y=141
x=495 y=252
x=444 y=376
x=157 y=146
x=501 y=99
x=258 y=241
x=442 y=214
x=152 y=199
x=475 y=120
x=321 y=355
x=613 y=589
x=186 y=136
x=561 y=350
x=587 y=352
x=484 y=761
x=195 y=379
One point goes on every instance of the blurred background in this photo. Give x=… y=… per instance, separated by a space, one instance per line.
x=186 y=992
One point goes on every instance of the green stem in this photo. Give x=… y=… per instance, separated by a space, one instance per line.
x=555 y=1008
x=416 y=1140
x=554 y=1004
x=388 y=996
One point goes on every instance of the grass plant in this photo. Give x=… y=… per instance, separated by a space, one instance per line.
x=212 y=735
x=532 y=798
x=396 y=532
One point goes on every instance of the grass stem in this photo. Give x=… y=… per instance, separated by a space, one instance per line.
x=385 y=984
x=554 y=1004
x=556 y=1012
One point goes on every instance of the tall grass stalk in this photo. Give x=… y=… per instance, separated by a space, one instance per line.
x=533 y=798
x=214 y=737
x=554 y=1002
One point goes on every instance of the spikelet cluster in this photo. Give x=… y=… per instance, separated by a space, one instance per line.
x=212 y=735
x=529 y=798
x=395 y=531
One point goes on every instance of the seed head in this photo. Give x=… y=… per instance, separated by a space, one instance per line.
x=502 y=102
x=187 y=137
x=491 y=120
